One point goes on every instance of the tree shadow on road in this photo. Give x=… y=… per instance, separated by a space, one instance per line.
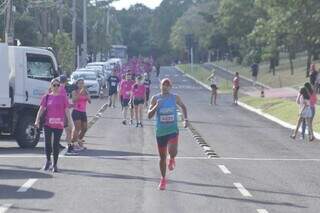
x=10 y=192
x=288 y=204
x=17 y=150
x=22 y=173
x=110 y=153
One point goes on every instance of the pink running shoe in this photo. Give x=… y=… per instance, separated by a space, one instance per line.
x=162 y=184
x=171 y=164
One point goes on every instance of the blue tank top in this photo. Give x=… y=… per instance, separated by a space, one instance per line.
x=167 y=118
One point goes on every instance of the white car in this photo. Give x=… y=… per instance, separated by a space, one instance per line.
x=91 y=81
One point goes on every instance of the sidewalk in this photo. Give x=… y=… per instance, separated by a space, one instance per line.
x=288 y=95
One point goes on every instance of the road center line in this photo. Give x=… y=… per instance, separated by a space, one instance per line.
x=262 y=211
x=242 y=190
x=5 y=207
x=27 y=185
x=224 y=169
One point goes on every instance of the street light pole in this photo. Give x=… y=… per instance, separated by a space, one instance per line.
x=85 y=39
x=9 y=30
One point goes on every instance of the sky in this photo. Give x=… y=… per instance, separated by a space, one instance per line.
x=120 y=4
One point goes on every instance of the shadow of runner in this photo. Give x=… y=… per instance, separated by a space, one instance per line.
x=242 y=199
x=22 y=174
x=10 y=192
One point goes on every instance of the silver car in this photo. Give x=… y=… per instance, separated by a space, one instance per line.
x=91 y=81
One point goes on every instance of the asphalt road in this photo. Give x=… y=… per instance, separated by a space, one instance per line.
x=258 y=168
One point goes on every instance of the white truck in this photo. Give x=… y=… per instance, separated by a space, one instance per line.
x=25 y=75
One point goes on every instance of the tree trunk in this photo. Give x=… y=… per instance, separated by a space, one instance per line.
x=308 y=62
x=291 y=65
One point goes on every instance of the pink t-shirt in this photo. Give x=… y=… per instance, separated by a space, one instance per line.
x=313 y=99
x=125 y=88
x=81 y=104
x=138 y=90
x=56 y=106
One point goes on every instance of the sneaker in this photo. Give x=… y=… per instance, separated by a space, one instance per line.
x=137 y=125
x=162 y=184
x=171 y=164
x=55 y=169
x=61 y=147
x=78 y=148
x=47 y=166
x=71 y=151
x=131 y=122
x=140 y=124
x=124 y=122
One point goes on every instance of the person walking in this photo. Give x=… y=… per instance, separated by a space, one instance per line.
x=125 y=93
x=214 y=88
x=147 y=84
x=164 y=106
x=235 y=88
x=138 y=96
x=254 y=73
x=313 y=101
x=113 y=82
x=55 y=108
x=305 y=112
x=80 y=98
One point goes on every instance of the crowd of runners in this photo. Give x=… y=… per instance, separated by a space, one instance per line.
x=132 y=88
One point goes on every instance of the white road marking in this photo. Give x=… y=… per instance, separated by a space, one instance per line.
x=242 y=190
x=224 y=169
x=5 y=207
x=27 y=185
x=262 y=211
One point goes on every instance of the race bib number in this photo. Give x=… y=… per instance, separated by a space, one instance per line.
x=113 y=84
x=167 y=118
x=55 y=121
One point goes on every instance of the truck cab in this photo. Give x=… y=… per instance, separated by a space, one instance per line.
x=25 y=77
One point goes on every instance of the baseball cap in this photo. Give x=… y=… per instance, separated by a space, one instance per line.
x=166 y=80
x=63 y=78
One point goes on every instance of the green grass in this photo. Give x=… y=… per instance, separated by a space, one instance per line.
x=283 y=77
x=202 y=75
x=283 y=109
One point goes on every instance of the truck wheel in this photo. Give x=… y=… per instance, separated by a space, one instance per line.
x=27 y=135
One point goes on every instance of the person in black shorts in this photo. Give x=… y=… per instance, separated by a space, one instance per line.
x=147 y=84
x=113 y=82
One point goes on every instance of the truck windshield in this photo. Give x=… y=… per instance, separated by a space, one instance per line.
x=40 y=66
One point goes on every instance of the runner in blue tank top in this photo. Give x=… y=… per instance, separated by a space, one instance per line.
x=164 y=105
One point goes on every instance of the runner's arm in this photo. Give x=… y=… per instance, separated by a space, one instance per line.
x=39 y=114
x=184 y=110
x=153 y=107
x=74 y=96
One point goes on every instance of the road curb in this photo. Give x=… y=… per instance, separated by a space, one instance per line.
x=252 y=109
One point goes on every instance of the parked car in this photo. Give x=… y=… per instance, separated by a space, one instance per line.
x=101 y=73
x=91 y=81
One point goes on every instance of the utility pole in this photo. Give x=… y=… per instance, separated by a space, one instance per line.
x=74 y=31
x=60 y=16
x=9 y=31
x=85 y=39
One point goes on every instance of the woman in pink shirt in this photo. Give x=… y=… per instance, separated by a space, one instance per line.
x=80 y=97
x=56 y=107
x=235 y=88
x=138 y=96
x=125 y=94
x=313 y=103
